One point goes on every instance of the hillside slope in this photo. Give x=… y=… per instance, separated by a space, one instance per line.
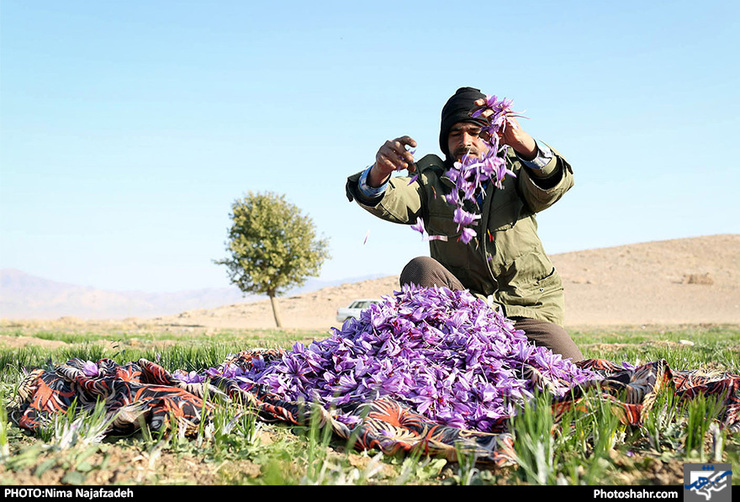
x=694 y=280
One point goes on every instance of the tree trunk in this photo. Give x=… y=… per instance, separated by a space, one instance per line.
x=276 y=311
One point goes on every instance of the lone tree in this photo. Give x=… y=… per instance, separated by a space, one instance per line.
x=273 y=247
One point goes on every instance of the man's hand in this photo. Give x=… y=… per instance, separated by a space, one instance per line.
x=519 y=139
x=392 y=156
x=513 y=134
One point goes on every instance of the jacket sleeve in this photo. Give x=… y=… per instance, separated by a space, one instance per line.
x=543 y=189
x=400 y=203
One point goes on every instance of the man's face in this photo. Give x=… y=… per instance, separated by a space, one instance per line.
x=465 y=137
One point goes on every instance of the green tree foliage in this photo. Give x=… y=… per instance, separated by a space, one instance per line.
x=272 y=247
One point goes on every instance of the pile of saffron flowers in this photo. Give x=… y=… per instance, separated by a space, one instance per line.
x=446 y=354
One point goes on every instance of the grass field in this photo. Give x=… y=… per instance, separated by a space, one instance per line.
x=595 y=449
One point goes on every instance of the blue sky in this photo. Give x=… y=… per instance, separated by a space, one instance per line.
x=128 y=128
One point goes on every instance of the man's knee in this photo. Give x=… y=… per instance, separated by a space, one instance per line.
x=417 y=270
x=427 y=272
x=551 y=336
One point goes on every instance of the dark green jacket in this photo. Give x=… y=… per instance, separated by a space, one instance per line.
x=506 y=263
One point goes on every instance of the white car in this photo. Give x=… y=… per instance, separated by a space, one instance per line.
x=354 y=308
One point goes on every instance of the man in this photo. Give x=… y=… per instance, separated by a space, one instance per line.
x=506 y=263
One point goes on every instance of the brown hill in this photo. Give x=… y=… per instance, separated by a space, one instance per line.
x=681 y=281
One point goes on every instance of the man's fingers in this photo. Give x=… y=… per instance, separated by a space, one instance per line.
x=394 y=155
x=392 y=159
x=486 y=113
x=396 y=150
x=400 y=144
x=384 y=164
x=407 y=140
x=512 y=122
x=389 y=159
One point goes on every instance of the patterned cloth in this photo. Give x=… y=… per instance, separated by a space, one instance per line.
x=143 y=392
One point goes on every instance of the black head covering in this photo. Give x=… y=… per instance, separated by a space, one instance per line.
x=458 y=109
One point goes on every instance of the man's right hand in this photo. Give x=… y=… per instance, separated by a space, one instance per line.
x=392 y=156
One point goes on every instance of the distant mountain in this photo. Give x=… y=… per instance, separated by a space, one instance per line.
x=24 y=296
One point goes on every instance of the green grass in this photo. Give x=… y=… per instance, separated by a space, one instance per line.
x=587 y=445
x=684 y=348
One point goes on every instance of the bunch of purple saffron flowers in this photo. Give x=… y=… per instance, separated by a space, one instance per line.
x=446 y=354
x=471 y=173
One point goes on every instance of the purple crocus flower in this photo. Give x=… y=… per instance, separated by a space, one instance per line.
x=467 y=235
x=419 y=227
x=192 y=376
x=445 y=353
x=90 y=369
x=464 y=218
